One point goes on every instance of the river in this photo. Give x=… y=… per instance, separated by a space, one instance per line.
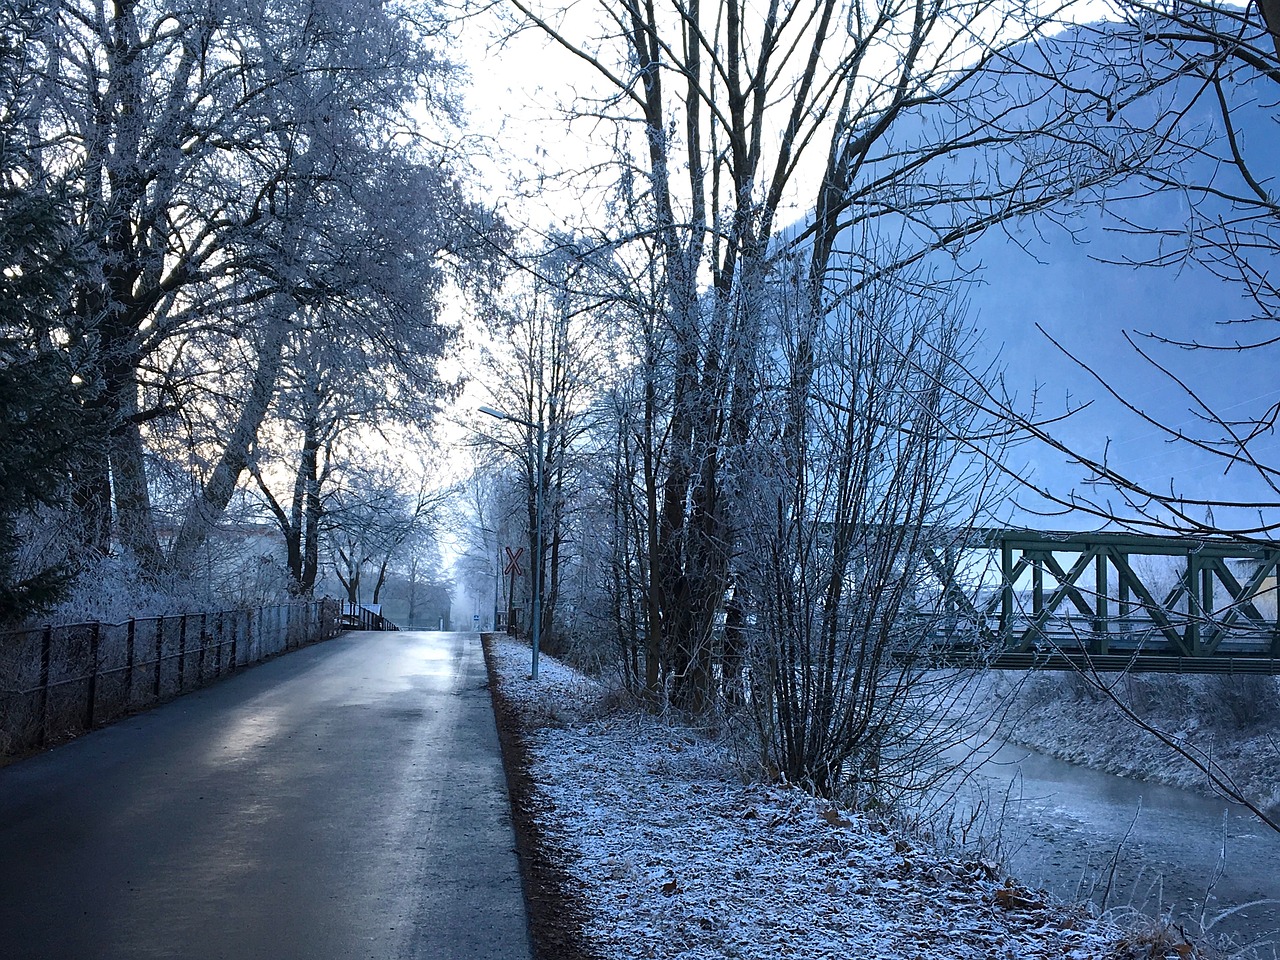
x=1084 y=834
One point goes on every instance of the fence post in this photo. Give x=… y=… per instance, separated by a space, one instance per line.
x=182 y=651
x=128 y=662
x=220 y=628
x=46 y=645
x=235 y=627
x=204 y=642
x=159 y=654
x=95 y=645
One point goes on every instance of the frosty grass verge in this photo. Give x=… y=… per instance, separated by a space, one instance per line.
x=676 y=858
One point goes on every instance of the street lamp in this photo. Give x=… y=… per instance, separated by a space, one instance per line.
x=537 y=536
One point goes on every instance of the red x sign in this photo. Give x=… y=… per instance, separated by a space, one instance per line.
x=513 y=562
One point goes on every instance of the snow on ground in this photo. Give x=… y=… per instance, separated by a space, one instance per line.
x=561 y=694
x=676 y=857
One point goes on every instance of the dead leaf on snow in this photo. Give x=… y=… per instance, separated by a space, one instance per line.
x=1011 y=899
x=832 y=816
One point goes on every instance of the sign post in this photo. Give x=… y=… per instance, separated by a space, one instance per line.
x=512 y=570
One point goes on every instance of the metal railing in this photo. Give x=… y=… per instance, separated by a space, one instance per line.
x=359 y=617
x=58 y=682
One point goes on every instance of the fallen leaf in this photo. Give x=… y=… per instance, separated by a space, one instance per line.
x=1011 y=899
x=832 y=816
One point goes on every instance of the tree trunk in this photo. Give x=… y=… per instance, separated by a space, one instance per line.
x=91 y=498
x=207 y=507
x=135 y=525
x=305 y=511
x=350 y=583
x=413 y=591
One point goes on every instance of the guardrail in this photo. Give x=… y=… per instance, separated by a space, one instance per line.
x=356 y=616
x=58 y=682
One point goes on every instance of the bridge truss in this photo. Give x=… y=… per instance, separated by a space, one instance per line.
x=1110 y=601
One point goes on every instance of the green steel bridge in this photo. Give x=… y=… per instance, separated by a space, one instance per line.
x=1017 y=599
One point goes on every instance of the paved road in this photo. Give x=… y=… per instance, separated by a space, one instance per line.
x=343 y=802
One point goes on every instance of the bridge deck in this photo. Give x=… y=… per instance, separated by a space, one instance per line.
x=1128 y=601
x=1113 y=663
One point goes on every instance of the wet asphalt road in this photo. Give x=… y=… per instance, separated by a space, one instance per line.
x=343 y=802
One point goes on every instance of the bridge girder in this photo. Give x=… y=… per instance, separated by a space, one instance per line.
x=1087 y=597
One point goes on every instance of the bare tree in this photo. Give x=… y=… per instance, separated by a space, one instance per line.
x=337 y=386
x=372 y=522
x=551 y=334
x=1205 y=75
x=730 y=123
x=234 y=167
x=484 y=514
x=839 y=598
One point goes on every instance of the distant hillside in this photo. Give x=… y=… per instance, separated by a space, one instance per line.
x=1065 y=273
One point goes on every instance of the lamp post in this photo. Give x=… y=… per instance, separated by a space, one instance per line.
x=537 y=536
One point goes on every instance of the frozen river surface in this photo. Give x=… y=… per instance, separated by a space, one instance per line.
x=1081 y=833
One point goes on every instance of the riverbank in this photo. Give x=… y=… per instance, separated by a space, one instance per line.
x=1234 y=722
x=656 y=846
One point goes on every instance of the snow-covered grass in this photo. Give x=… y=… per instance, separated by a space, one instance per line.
x=672 y=854
x=560 y=694
x=1233 y=720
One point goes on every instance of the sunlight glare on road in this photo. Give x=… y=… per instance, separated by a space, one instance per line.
x=241 y=735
